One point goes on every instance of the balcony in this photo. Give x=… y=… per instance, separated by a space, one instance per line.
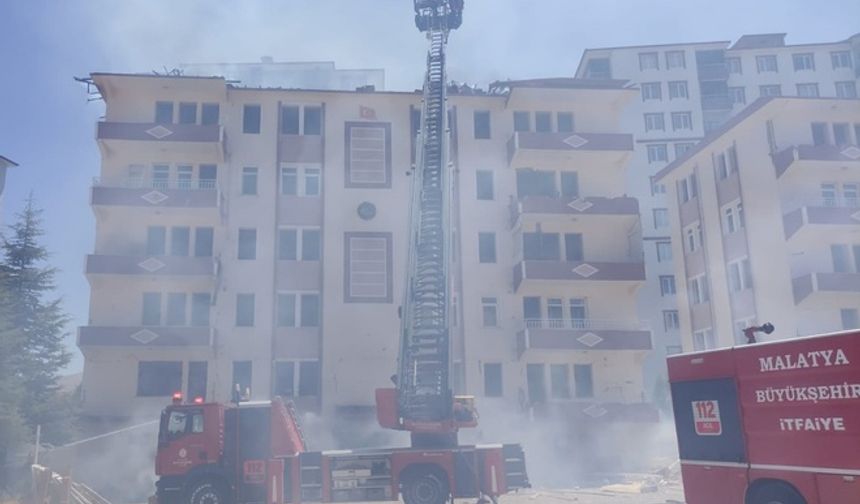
x=821 y=219
x=185 y=194
x=825 y=290
x=145 y=336
x=565 y=207
x=716 y=102
x=712 y=71
x=151 y=266
x=582 y=272
x=197 y=140
x=555 y=335
x=816 y=156
x=541 y=149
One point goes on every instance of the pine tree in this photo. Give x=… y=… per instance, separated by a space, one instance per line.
x=27 y=281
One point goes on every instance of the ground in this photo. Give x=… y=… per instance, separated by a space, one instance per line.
x=663 y=494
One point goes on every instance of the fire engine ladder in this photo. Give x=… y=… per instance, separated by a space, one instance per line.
x=424 y=392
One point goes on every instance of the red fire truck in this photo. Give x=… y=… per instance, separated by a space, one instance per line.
x=770 y=423
x=254 y=452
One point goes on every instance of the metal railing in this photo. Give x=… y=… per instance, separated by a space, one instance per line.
x=586 y=323
x=150 y=183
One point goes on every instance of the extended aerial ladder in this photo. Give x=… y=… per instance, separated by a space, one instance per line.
x=423 y=402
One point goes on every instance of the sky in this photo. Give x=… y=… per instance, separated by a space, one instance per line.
x=48 y=127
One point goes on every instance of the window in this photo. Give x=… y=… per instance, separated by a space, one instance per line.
x=667 y=285
x=849 y=317
x=197 y=371
x=522 y=122
x=291 y=241
x=242 y=377
x=158 y=378
x=654 y=122
x=674 y=349
x=694 y=186
x=840 y=59
x=535 y=383
x=737 y=95
x=649 y=61
x=160 y=177
x=180 y=238
x=564 y=122
x=200 y=303
x=583 y=380
x=683 y=190
x=670 y=320
x=532 y=310
x=286 y=310
x=209 y=113
x=804 y=61
x=535 y=183
x=820 y=133
x=846 y=89
x=766 y=63
x=657 y=153
x=732 y=159
x=289 y=120
x=675 y=59
x=841 y=133
x=808 y=90
x=682 y=147
x=309 y=378
x=310 y=244
x=164 y=112
x=770 y=90
x=487 y=247
x=251 y=119
x=651 y=91
x=578 y=312
x=482 y=124
x=247 y=244
x=484 y=183
x=703 y=340
x=692 y=237
x=249 y=181
x=151 y=308
x=541 y=246
x=664 y=251
x=493 y=379
x=309 y=310
x=555 y=312
x=699 y=292
x=573 y=248
x=559 y=381
x=313 y=120
x=682 y=121
x=732 y=218
x=657 y=188
x=312 y=181
x=490 y=311
x=368 y=275
x=285 y=379
x=289 y=181
x=850 y=194
x=244 y=310
x=203 y=238
x=840 y=254
x=740 y=276
x=187 y=113
x=543 y=122
x=722 y=166
x=598 y=68
x=661 y=217
x=678 y=90
x=208 y=176
x=183 y=176
x=829 y=195
x=156 y=238
x=288 y=244
x=368 y=163
x=734 y=65
x=176 y=302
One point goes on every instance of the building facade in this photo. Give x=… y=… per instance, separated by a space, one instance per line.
x=765 y=223
x=256 y=238
x=288 y=74
x=5 y=163
x=685 y=91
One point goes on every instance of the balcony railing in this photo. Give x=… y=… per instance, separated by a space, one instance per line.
x=783 y=159
x=586 y=323
x=147 y=336
x=198 y=133
x=156 y=193
x=566 y=205
x=150 y=183
x=554 y=271
x=567 y=142
x=151 y=265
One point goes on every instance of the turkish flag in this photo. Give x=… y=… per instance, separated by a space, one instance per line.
x=366 y=112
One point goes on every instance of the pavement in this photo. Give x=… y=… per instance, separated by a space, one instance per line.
x=663 y=494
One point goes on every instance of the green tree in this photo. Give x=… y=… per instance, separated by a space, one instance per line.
x=12 y=430
x=27 y=283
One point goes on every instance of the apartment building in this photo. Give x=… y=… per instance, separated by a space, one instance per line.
x=290 y=74
x=685 y=91
x=765 y=222
x=256 y=237
x=5 y=163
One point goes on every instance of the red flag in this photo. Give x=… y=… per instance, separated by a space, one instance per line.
x=366 y=112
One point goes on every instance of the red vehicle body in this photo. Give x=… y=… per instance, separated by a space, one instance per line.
x=254 y=453
x=770 y=423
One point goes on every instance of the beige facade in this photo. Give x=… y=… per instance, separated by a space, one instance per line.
x=764 y=217
x=685 y=91
x=256 y=236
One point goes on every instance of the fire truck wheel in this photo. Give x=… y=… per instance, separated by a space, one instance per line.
x=777 y=494
x=206 y=492
x=425 y=488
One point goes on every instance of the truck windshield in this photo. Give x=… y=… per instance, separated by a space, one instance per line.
x=180 y=422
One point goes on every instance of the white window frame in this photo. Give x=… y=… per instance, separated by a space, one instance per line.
x=487 y=302
x=703 y=339
x=303 y=173
x=661 y=217
x=808 y=90
x=673 y=317
x=841 y=59
x=668 y=286
x=652 y=91
x=699 y=292
x=766 y=90
x=766 y=63
x=735 y=65
x=740 y=274
x=668 y=245
x=299 y=242
x=846 y=89
x=654 y=151
x=803 y=62
x=297 y=307
x=678 y=90
x=673 y=62
x=682 y=121
x=296 y=375
x=655 y=121
x=649 y=61
x=738 y=95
